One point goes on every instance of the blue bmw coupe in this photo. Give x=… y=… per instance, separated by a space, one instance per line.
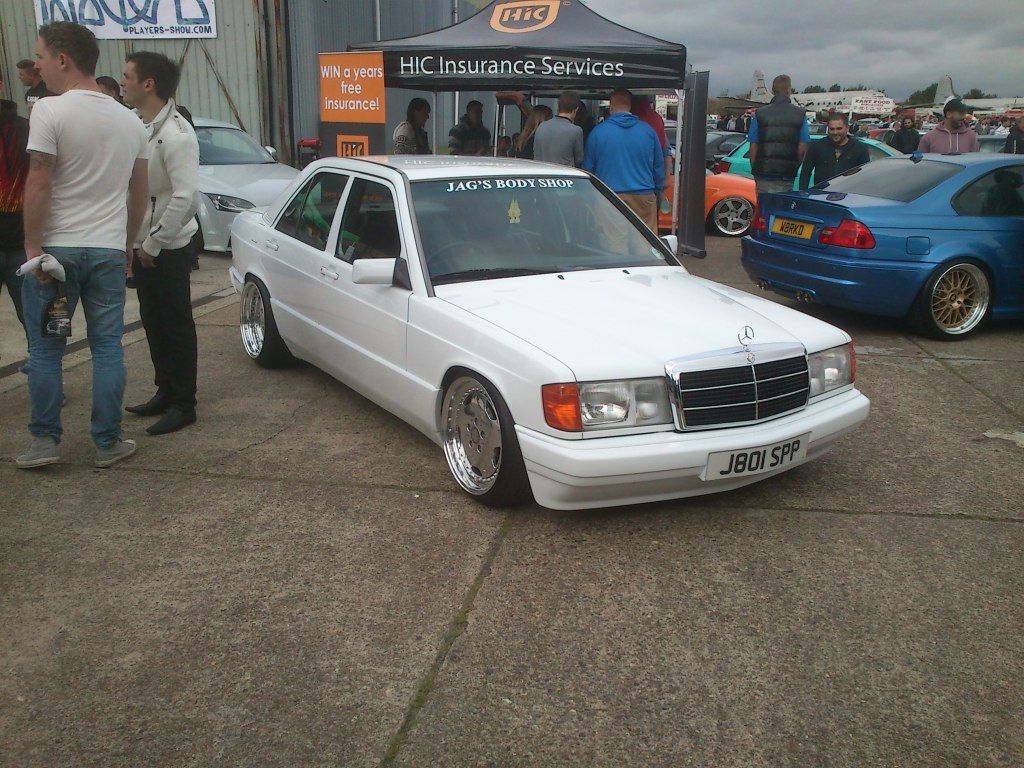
x=938 y=238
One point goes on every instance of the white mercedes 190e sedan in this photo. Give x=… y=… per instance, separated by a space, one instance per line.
x=523 y=318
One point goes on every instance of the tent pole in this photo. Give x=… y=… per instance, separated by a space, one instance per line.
x=433 y=126
x=498 y=109
x=678 y=183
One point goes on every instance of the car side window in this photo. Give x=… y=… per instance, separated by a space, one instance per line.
x=369 y=225
x=290 y=217
x=874 y=153
x=730 y=144
x=311 y=220
x=999 y=193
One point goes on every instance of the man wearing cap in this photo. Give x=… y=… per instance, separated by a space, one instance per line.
x=951 y=136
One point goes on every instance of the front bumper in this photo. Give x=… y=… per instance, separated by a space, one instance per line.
x=636 y=469
x=872 y=286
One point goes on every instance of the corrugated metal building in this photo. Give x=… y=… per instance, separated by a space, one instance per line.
x=224 y=78
x=260 y=72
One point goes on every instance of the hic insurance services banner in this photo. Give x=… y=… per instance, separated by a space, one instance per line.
x=134 y=19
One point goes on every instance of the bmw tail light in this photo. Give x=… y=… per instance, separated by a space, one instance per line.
x=760 y=223
x=849 y=234
x=723 y=166
x=562 y=407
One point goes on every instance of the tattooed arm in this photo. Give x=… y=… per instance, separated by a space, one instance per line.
x=37 y=204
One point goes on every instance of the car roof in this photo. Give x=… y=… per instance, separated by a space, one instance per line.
x=424 y=167
x=971 y=159
x=205 y=122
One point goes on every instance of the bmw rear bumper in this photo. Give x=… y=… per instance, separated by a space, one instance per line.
x=636 y=469
x=872 y=286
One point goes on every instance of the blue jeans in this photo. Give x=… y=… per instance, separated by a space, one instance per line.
x=95 y=277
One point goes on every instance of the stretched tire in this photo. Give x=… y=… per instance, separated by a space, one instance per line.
x=954 y=302
x=731 y=217
x=480 y=443
x=260 y=338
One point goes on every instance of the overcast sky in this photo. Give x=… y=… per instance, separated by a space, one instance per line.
x=896 y=46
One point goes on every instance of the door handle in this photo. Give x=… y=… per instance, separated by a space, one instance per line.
x=328 y=273
x=272 y=245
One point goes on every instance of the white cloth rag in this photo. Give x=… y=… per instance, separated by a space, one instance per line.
x=45 y=262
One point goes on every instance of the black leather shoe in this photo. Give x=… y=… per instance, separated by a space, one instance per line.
x=157 y=404
x=173 y=420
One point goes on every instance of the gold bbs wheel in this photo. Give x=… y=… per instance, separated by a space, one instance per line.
x=959 y=299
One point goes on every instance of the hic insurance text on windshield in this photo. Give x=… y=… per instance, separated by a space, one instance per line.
x=441 y=65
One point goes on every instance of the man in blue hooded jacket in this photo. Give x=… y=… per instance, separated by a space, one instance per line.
x=625 y=153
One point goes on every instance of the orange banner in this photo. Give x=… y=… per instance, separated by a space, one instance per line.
x=352 y=87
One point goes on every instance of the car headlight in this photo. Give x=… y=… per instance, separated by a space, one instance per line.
x=599 y=405
x=230 y=204
x=832 y=369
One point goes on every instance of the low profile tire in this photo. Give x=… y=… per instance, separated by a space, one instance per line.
x=480 y=443
x=260 y=338
x=954 y=302
x=731 y=217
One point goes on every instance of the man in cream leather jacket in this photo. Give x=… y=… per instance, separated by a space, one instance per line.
x=163 y=252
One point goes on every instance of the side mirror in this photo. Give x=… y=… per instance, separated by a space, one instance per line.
x=672 y=242
x=272 y=152
x=373 y=271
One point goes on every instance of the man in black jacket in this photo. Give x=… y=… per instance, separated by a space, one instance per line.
x=13 y=172
x=778 y=139
x=1015 y=141
x=907 y=138
x=829 y=157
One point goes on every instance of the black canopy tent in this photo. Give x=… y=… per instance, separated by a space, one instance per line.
x=539 y=47
x=546 y=45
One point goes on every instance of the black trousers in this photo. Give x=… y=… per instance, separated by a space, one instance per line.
x=165 y=302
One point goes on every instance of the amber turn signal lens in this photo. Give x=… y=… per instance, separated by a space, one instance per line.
x=562 y=407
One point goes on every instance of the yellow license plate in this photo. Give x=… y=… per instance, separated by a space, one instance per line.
x=792 y=228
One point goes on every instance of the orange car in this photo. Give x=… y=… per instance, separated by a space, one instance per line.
x=729 y=202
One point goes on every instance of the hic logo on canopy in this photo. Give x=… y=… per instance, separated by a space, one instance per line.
x=524 y=15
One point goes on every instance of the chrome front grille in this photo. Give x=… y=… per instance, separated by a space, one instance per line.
x=739 y=394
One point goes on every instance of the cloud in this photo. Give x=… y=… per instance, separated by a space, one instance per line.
x=898 y=47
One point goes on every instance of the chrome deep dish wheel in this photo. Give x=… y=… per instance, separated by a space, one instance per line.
x=959 y=299
x=472 y=435
x=732 y=216
x=252 y=320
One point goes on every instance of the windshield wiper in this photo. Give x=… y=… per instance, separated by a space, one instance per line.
x=489 y=273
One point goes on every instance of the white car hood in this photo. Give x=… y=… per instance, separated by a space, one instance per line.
x=259 y=183
x=608 y=324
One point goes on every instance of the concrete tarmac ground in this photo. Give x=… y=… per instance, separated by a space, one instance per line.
x=297 y=581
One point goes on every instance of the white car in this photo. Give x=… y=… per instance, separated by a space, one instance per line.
x=524 y=319
x=235 y=174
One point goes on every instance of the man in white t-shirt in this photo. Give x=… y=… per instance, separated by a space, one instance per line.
x=87 y=157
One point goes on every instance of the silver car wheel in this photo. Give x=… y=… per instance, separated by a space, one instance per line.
x=252 y=320
x=472 y=435
x=732 y=216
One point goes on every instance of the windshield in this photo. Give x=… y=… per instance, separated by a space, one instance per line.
x=482 y=228
x=894 y=178
x=229 y=146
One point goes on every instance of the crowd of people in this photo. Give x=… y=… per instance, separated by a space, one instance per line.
x=628 y=150
x=781 y=146
x=86 y=186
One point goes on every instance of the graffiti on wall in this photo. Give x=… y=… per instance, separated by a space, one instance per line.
x=128 y=19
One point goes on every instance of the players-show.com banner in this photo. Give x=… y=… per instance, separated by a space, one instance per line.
x=352 y=112
x=134 y=19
